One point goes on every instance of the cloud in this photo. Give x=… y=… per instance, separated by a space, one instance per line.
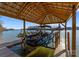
x=78 y=10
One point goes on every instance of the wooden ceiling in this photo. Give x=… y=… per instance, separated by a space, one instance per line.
x=38 y=12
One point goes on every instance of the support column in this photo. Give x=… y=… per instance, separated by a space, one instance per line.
x=68 y=44
x=24 y=28
x=59 y=33
x=74 y=31
x=68 y=40
x=24 y=33
x=65 y=39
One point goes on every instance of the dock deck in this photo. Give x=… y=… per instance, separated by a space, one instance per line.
x=5 y=52
x=60 y=50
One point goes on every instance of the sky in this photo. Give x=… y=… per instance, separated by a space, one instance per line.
x=8 y=22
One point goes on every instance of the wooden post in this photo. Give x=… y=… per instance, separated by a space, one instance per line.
x=24 y=33
x=74 y=31
x=68 y=44
x=65 y=40
x=68 y=37
x=59 y=34
x=24 y=28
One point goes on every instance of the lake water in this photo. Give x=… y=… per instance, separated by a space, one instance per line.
x=8 y=36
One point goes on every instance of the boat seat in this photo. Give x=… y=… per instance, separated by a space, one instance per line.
x=42 y=52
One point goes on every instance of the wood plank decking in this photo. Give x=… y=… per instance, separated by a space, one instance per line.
x=5 y=52
x=60 y=50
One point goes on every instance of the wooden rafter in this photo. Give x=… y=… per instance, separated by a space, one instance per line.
x=37 y=12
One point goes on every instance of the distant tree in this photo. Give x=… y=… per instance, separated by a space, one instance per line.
x=1 y=22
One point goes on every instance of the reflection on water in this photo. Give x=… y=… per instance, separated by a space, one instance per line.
x=8 y=36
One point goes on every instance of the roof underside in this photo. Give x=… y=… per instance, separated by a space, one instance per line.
x=38 y=12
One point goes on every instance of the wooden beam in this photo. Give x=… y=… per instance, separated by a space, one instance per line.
x=63 y=24
x=77 y=6
x=57 y=6
x=51 y=12
x=22 y=9
x=50 y=22
x=56 y=11
x=59 y=15
x=6 y=8
x=74 y=31
x=41 y=9
x=11 y=5
x=9 y=15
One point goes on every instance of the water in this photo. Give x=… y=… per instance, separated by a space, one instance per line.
x=8 y=36
x=77 y=40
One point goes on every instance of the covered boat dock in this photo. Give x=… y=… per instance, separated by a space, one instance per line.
x=44 y=13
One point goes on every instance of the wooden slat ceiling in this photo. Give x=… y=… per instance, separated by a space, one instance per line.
x=38 y=12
